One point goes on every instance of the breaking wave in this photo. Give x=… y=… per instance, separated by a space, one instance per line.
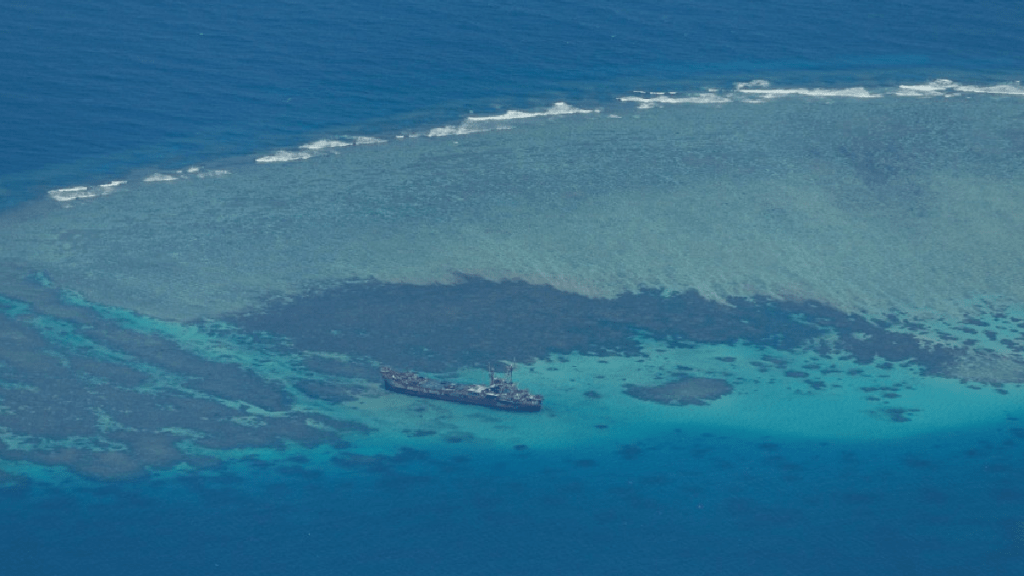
x=748 y=92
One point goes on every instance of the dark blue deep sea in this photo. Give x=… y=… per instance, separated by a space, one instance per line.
x=92 y=92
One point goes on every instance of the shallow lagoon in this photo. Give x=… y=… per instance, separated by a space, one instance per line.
x=865 y=227
x=846 y=262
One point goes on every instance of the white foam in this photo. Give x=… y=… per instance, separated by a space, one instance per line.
x=158 y=177
x=68 y=194
x=705 y=98
x=1013 y=88
x=464 y=128
x=753 y=84
x=557 y=109
x=76 y=192
x=321 y=144
x=193 y=169
x=290 y=156
x=934 y=88
x=947 y=88
x=285 y=156
x=213 y=173
x=762 y=88
x=369 y=140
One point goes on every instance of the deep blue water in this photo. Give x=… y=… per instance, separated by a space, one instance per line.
x=699 y=504
x=93 y=92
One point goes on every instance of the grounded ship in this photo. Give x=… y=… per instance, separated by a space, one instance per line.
x=502 y=394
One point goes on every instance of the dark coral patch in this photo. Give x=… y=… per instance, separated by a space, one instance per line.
x=898 y=414
x=685 y=392
x=482 y=320
x=629 y=451
x=458 y=437
x=205 y=376
x=111 y=402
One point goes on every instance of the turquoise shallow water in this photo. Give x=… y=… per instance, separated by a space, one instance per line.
x=763 y=266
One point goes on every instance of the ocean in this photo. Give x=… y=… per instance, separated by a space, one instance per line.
x=763 y=262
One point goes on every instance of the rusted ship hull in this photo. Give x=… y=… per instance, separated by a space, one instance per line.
x=494 y=396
